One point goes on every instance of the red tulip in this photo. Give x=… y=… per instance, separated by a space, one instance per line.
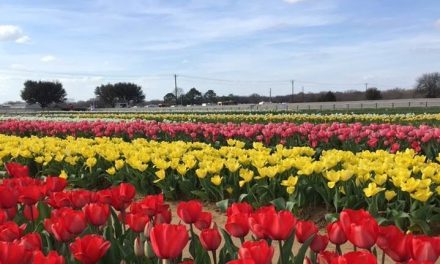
x=80 y=198
x=55 y=184
x=89 y=249
x=237 y=208
x=210 y=239
x=326 y=257
x=12 y=212
x=137 y=222
x=259 y=251
x=74 y=221
x=261 y=220
x=30 y=195
x=204 y=221
x=304 y=230
x=425 y=248
x=59 y=200
x=394 y=243
x=163 y=216
x=103 y=196
x=360 y=227
x=237 y=225
x=358 y=257
x=335 y=233
x=51 y=258
x=187 y=262
x=8 y=197
x=10 y=231
x=57 y=228
x=189 y=211
x=122 y=195
x=3 y=216
x=96 y=213
x=31 y=212
x=162 y=234
x=31 y=242
x=12 y=253
x=319 y=243
x=282 y=225
x=420 y=262
x=152 y=204
x=16 y=170
x=242 y=261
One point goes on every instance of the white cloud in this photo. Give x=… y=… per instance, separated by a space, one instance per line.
x=13 y=33
x=437 y=23
x=48 y=58
x=23 y=39
x=293 y=1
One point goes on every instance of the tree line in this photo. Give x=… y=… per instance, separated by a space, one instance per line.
x=45 y=94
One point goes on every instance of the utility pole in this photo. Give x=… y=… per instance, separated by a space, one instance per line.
x=293 y=90
x=175 y=87
x=270 y=95
x=302 y=91
x=366 y=87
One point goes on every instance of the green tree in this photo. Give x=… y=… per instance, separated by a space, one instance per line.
x=193 y=96
x=328 y=97
x=373 y=94
x=429 y=85
x=169 y=98
x=43 y=93
x=210 y=96
x=128 y=93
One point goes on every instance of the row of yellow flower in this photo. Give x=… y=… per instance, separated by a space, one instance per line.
x=255 y=117
x=374 y=172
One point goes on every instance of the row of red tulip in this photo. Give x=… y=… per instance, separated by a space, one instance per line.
x=41 y=222
x=371 y=136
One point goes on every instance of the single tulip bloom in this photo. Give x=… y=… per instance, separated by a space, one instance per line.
x=162 y=234
x=89 y=249
x=8 y=197
x=336 y=234
x=31 y=194
x=51 y=258
x=210 y=239
x=237 y=225
x=80 y=198
x=358 y=257
x=10 y=231
x=16 y=170
x=137 y=222
x=326 y=257
x=204 y=221
x=259 y=251
x=74 y=221
x=282 y=225
x=394 y=243
x=12 y=253
x=31 y=212
x=261 y=220
x=97 y=213
x=425 y=248
x=189 y=211
x=360 y=227
x=304 y=230
x=31 y=242
x=237 y=208
x=55 y=184
x=242 y=261
x=319 y=243
x=152 y=204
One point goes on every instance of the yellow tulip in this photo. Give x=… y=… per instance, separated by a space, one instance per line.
x=216 y=180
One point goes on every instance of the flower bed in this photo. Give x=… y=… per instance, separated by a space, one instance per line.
x=355 y=137
x=402 y=188
x=250 y=117
x=42 y=222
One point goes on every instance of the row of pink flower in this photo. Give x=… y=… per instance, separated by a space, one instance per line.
x=81 y=225
x=391 y=136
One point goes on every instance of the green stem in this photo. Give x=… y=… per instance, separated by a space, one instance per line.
x=214 y=256
x=383 y=257
x=354 y=248
x=280 y=246
x=338 y=250
x=242 y=240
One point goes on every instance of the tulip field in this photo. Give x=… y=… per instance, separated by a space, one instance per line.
x=141 y=187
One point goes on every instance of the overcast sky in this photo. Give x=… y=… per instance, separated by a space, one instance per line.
x=239 y=47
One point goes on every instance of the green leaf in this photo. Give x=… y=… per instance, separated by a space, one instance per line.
x=201 y=194
x=299 y=259
x=223 y=205
x=279 y=203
